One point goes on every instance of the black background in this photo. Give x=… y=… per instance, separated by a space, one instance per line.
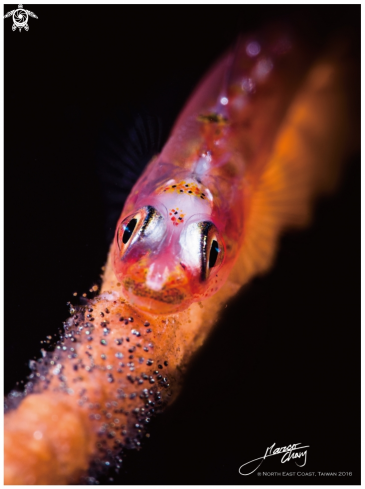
x=283 y=365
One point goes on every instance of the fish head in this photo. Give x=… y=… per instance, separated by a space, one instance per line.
x=167 y=254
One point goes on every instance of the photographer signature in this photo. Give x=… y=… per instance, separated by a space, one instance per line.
x=290 y=452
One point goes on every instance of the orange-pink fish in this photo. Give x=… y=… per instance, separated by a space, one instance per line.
x=178 y=236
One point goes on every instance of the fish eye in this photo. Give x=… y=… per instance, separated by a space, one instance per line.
x=212 y=248
x=128 y=231
x=214 y=252
x=202 y=248
x=145 y=223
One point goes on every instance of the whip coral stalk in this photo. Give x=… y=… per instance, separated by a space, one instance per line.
x=122 y=355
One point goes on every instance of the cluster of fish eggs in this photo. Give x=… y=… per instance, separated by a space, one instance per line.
x=100 y=347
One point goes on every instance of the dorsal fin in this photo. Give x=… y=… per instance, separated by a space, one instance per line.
x=223 y=100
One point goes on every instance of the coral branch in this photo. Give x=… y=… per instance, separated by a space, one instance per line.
x=115 y=367
x=113 y=370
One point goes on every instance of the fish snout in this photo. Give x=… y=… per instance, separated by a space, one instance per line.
x=162 y=287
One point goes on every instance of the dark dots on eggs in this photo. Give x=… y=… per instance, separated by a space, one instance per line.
x=166 y=363
x=133 y=395
x=149 y=330
x=160 y=366
x=146 y=323
x=107 y=310
x=119 y=341
x=104 y=342
x=102 y=314
x=121 y=318
x=149 y=362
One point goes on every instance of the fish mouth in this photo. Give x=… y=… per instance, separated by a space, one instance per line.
x=167 y=295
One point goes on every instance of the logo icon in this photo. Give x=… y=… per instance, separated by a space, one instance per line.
x=20 y=18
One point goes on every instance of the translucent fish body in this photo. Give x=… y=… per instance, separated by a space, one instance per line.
x=183 y=224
